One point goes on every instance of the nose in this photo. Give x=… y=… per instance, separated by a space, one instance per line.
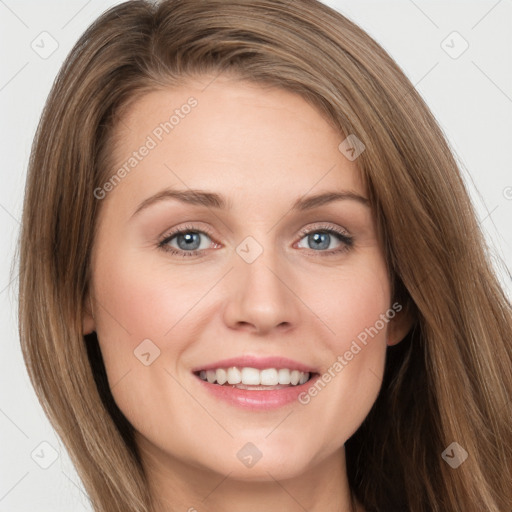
x=261 y=296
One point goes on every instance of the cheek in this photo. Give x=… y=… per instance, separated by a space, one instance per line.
x=353 y=306
x=352 y=301
x=134 y=304
x=141 y=301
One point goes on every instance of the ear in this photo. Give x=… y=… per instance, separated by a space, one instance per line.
x=88 y=322
x=399 y=326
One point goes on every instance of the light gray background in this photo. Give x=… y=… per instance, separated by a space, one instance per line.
x=471 y=96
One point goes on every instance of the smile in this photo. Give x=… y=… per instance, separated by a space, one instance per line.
x=255 y=390
x=252 y=378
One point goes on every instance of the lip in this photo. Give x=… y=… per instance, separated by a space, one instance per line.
x=259 y=400
x=260 y=363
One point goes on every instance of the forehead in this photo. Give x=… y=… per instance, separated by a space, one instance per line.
x=237 y=137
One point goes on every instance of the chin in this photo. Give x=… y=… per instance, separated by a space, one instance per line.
x=265 y=466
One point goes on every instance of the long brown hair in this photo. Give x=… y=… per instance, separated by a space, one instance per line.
x=449 y=380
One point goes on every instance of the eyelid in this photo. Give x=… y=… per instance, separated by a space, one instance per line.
x=187 y=227
x=324 y=227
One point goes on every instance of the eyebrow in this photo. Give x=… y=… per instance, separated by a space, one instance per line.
x=198 y=197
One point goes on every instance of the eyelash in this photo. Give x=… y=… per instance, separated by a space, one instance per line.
x=347 y=240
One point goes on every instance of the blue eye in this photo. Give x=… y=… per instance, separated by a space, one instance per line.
x=321 y=237
x=188 y=240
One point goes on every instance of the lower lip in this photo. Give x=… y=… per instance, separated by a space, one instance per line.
x=257 y=400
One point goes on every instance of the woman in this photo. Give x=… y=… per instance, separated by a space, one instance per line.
x=261 y=369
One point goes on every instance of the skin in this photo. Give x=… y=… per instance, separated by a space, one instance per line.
x=262 y=149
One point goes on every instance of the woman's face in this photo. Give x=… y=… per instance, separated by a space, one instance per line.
x=243 y=280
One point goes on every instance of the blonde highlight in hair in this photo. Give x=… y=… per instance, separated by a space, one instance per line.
x=449 y=380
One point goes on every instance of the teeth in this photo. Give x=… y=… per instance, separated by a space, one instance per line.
x=251 y=377
x=234 y=376
x=269 y=377
x=254 y=377
x=221 y=376
x=284 y=376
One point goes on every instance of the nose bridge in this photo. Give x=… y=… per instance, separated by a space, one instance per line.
x=261 y=285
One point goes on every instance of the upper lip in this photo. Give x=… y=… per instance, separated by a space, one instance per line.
x=259 y=363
